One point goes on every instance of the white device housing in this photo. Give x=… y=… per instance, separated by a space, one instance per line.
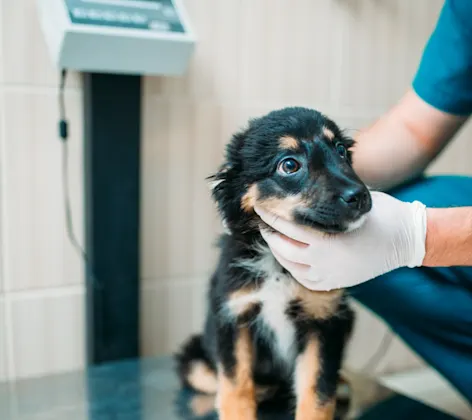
x=117 y=36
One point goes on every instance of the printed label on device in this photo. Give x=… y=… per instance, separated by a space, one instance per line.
x=153 y=15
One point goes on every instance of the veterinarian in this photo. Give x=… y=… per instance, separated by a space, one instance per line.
x=411 y=261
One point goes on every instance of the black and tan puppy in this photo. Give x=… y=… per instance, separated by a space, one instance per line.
x=264 y=331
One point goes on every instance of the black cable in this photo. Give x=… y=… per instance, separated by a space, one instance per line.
x=64 y=135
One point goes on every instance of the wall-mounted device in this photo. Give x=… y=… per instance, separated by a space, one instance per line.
x=146 y=37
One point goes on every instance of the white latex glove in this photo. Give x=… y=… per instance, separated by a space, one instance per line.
x=392 y=236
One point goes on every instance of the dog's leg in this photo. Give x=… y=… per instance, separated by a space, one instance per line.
x=321 y=351
x=311 y=405
x=236 y=398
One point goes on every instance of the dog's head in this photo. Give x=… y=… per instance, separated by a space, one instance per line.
x=296 y=163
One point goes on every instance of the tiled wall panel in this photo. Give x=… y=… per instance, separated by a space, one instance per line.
x=37 y=253
x=45 y=331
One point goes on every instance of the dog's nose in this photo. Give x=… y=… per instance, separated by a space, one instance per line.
x=355 y=197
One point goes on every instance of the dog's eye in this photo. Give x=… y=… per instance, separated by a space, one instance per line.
x=289 y=166
x=341 y=149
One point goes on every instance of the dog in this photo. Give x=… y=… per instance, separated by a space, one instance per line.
x=266 y=337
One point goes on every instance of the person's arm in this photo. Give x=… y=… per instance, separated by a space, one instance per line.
x=401 y=144
x=449 y=237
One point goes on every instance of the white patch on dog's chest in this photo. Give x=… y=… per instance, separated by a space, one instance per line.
x=274 y=295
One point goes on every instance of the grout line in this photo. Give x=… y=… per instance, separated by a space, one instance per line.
x=44 y=293
x=158 y=283
x=38 y=90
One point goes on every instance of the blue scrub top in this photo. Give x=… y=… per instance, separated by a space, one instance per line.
x=444 y=76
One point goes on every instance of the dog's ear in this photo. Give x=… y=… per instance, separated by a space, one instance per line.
x=219 y=181
x=226 y=184
x=217 y=178
x=219 y=184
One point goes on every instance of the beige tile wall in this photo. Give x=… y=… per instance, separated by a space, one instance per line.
x=352 y=59
x=41 y=311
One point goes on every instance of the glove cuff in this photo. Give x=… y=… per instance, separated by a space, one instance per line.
x=418 y=233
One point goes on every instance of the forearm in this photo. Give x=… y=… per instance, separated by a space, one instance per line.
x=386 y=154
x=401 y=144
x=449 y=237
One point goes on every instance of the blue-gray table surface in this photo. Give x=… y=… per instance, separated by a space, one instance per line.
x=145 y=389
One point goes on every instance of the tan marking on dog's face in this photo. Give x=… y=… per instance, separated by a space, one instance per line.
x=288 y=142
x=236 y=395
x=307 y=372
x=248 y=201
x=201 y=377
x=317 y=304
x=283 y=207
x=328 y=133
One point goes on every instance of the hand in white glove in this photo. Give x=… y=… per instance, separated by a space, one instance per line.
x=393 y=236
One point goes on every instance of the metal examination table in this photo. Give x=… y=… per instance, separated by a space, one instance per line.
x=144 y=389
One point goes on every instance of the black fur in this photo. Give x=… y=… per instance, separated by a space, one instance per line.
x=192 y=351
x=332 y=197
